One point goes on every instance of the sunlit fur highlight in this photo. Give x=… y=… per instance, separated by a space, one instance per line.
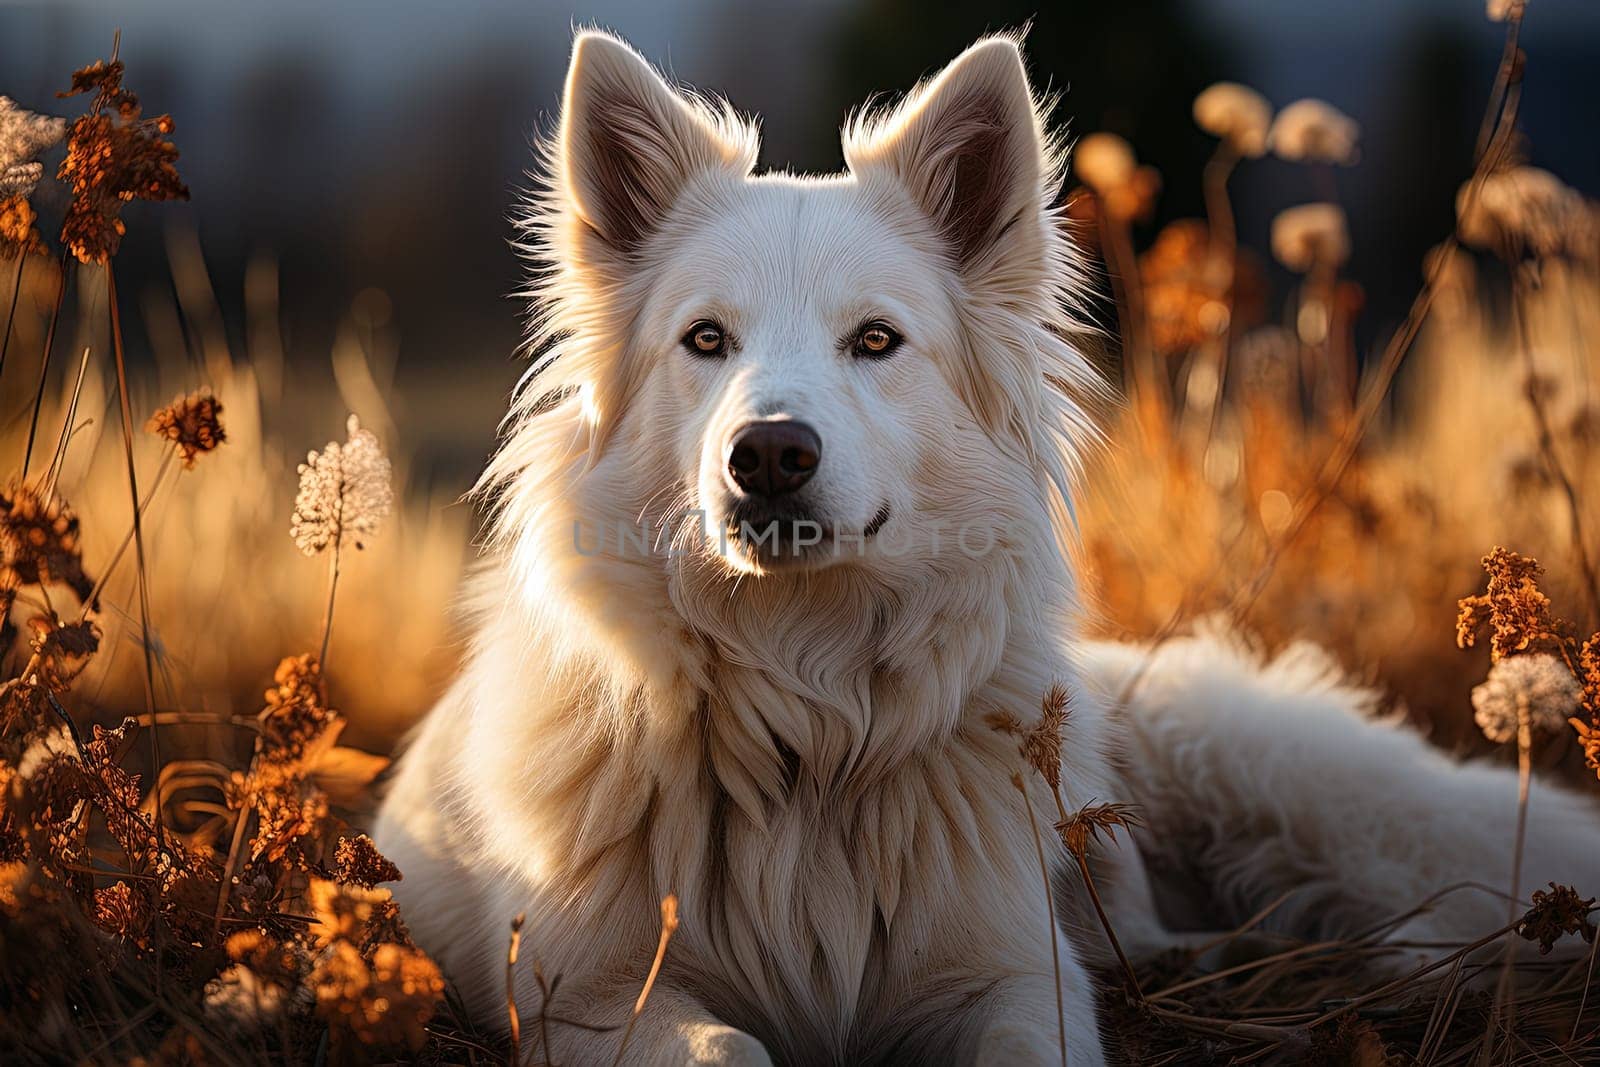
x=803 y=754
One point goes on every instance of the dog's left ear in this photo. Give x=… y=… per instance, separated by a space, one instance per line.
x=969 y=149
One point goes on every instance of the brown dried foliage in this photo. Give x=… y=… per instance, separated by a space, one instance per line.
x=193 y=423
x=1512 y=608
x=18 y=232
x=39 y=540
x=114 y=155
x=1555 y=914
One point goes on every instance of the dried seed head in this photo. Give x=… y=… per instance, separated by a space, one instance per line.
x=296 y=714
x=1314 y=131
x=1237 y=114
x=114 y=156
x=345 y=493
x=1512 y=606
x=18 y=233
x=64 y=649
x=1084 y=826
x=360 y=863
x=39 y=541
x=1537 y=687
x=1556 y=914
x=1525 y=208
x=1104 y=162
x=193 y=423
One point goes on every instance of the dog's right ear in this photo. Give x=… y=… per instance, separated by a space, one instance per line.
x=630 y=143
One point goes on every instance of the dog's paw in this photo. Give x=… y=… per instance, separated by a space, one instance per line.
x=723 y=1046
x=1016 y=1045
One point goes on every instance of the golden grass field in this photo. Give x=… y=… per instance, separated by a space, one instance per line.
x=182 y=877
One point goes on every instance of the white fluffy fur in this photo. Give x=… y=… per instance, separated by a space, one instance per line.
x=798 y=750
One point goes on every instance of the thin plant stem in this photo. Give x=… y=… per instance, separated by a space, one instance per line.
x=1223 y=249
x=143 y=583
x=333 y=588
x=156 y=485
x=44 y=365
x=669 y=923
x=1099 y=908
x=11 y=316
x=1050 y=908
x=1505 y=992
x=512 y=1019
x=59 y=457
x=1147 y=383
x=1588 y=980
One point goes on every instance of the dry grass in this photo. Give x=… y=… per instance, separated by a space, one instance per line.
x=184 y=887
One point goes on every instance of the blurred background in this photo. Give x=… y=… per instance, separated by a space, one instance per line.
x=374 y=150
x=354 y=165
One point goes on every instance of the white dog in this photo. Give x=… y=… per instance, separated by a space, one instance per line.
x=778 y=528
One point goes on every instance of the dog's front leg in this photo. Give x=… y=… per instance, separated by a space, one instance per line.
x=1021 y=1025
x=674 y=1029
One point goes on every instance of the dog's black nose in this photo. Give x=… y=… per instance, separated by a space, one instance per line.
x=773 y=457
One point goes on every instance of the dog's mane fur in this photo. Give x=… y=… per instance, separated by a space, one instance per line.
x=807 y=756
x=790 y=701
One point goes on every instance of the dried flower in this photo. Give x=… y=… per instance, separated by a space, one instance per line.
x=361 y=864
x=23 y=135
x=1524 y=208
x=52 y=745
x=18 y=234
x=193 y=423
x=296 y=715
x=1040 y=743
x=1311 y=235
x=123 y=912
x=1237 y=114
x=385 y=1004
x=39 y=541
x=1536 y=687
x=1104 y=162
x=1084 y=826
x=240 y=997
x=1503 y=10
x=1314 y=131
x=1589 y=675
x=1555 y=914
x=114 y=156
x=1512 y=606
x=343 y=912
x=63 y=649
x=344 y=493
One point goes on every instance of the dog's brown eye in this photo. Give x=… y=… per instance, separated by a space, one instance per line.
x=876 y=340
x=706 y=338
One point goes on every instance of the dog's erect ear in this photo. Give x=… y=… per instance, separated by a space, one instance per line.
x=629 y=142
x=968 y=147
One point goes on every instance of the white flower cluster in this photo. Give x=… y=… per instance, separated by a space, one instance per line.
x=1526 y=207
x=1537 y=685
x=1314 y=131
x=23 y=135
x=1237 y=114
x=345 y=493
x=1501 y=10
x=1311 y=235
x=1104 y=162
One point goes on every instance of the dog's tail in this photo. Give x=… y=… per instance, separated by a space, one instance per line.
x=1267 y=779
